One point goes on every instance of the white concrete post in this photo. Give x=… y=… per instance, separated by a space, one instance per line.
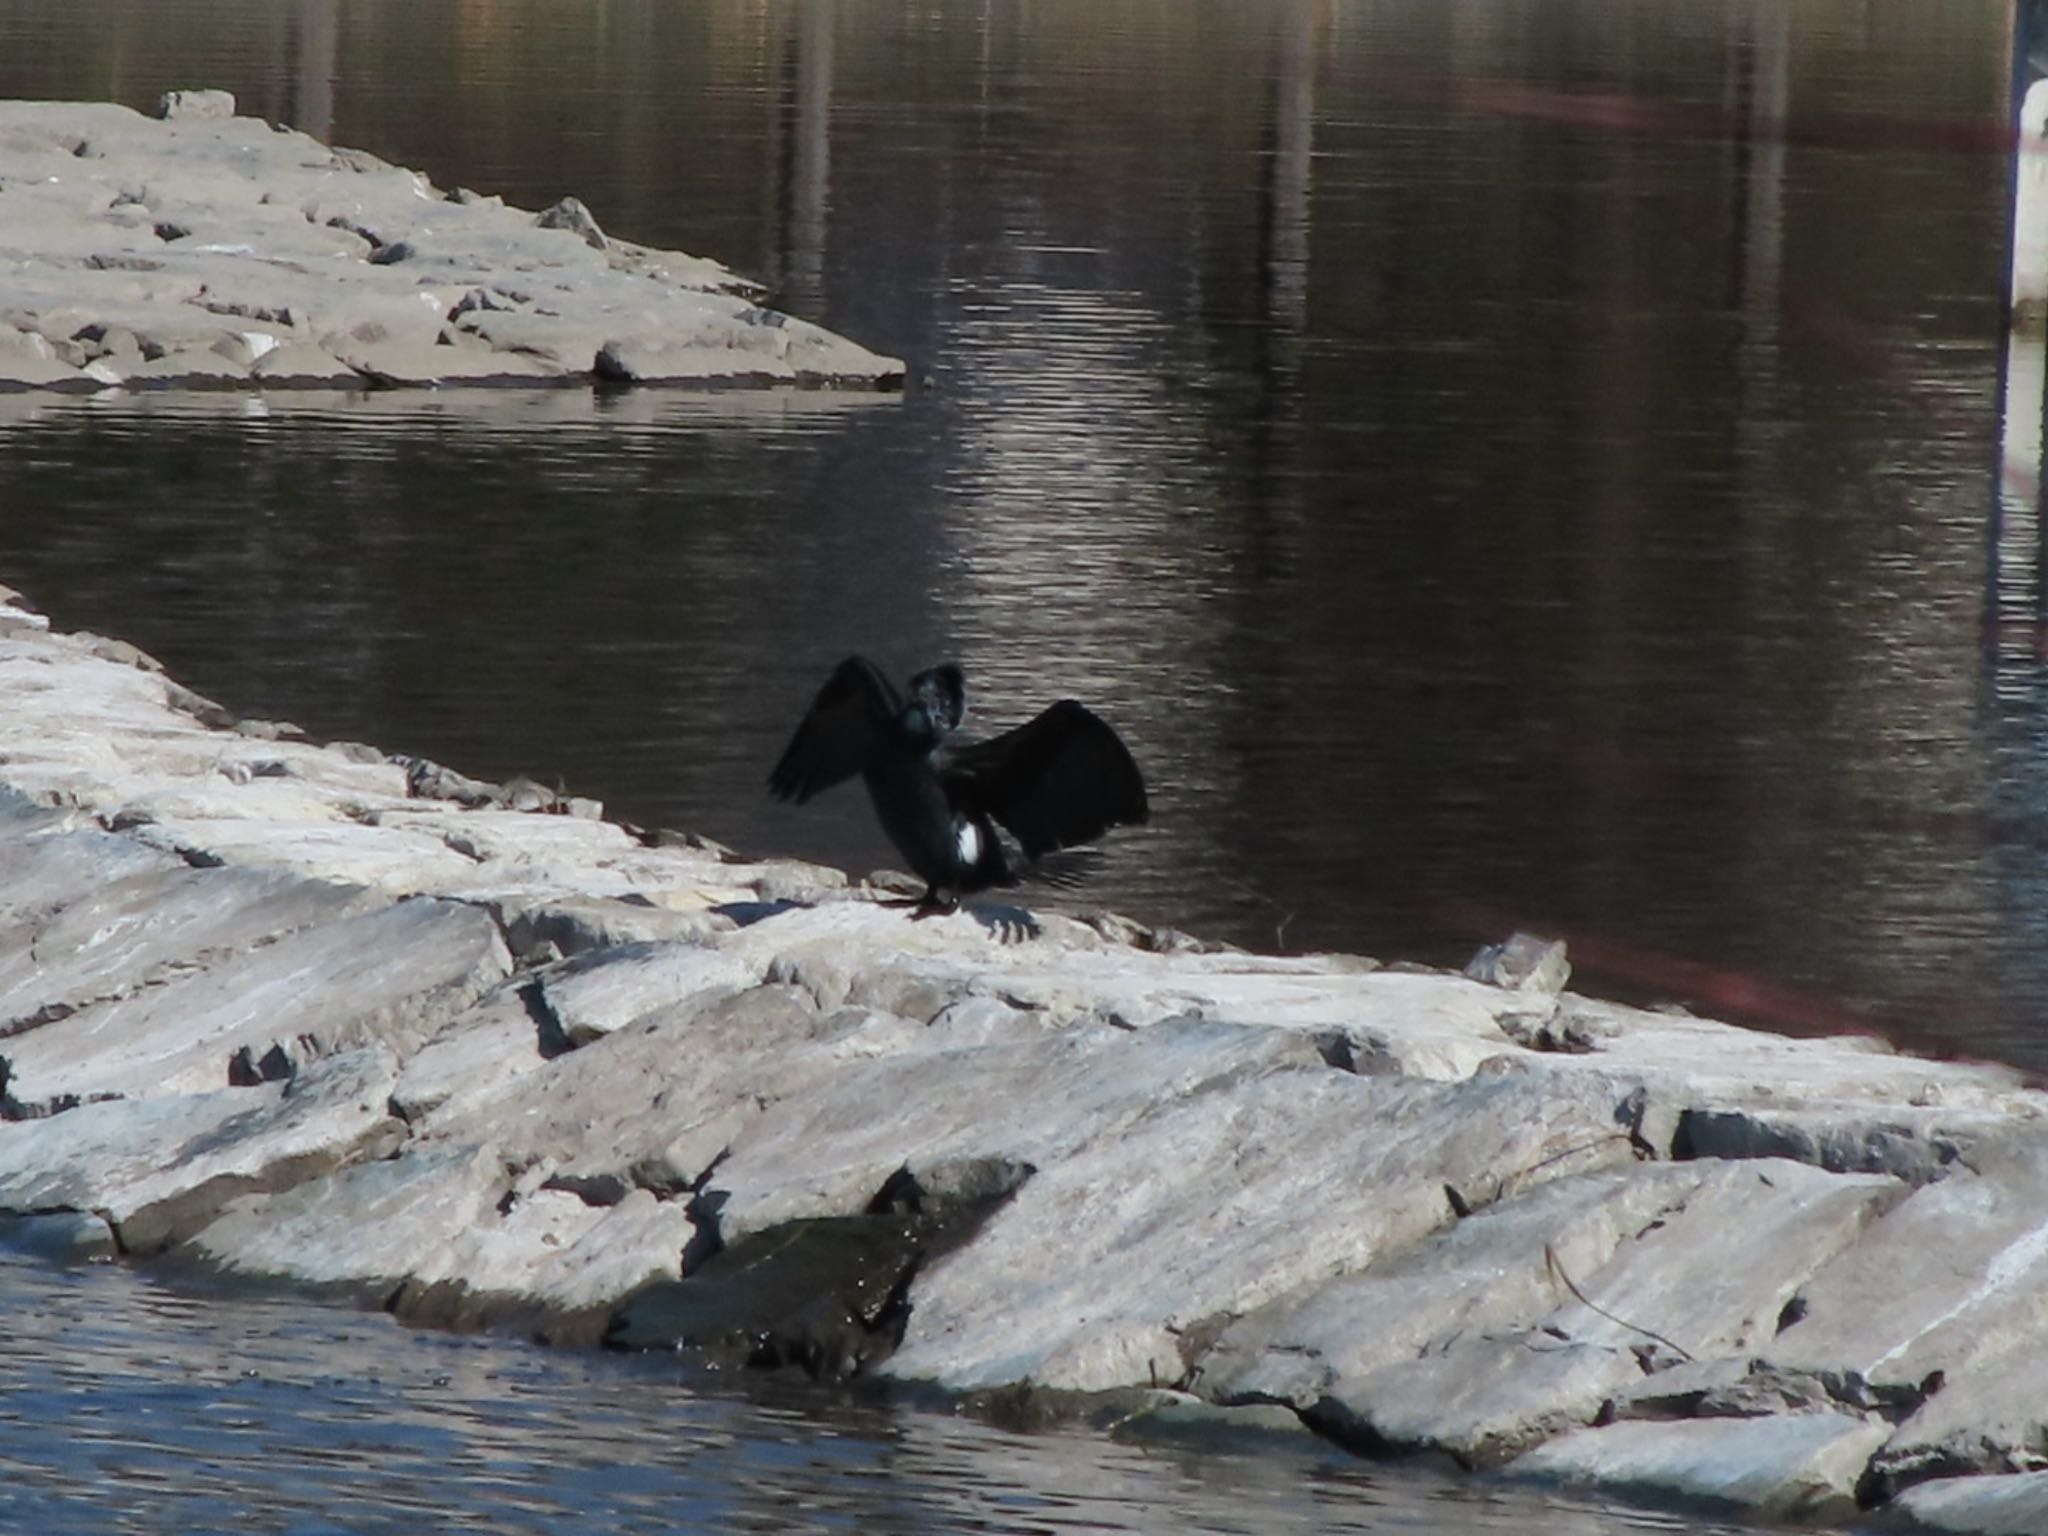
x=2029 y=295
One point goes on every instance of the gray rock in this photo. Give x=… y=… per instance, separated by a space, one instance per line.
x=1492 y=1273
x=570 y=214
x=1695 y=1062
x=743 y=352
x=366 y=1229
x=54 y=859
x=1411 y=1209
x=1210 y=1185
x=550 y=1264
x=149 y=929
x=209 y=250
x=396 y=860
x=562 y=342
x=1992 y=1418
x=310 y=992
x=28 y=361
x=155 y=1169
x=173 y=105
x=1487 y=1397
x=1726 y=1387
x=187 y=368
x=608 y=989
x=301 y=365
x=629 y=1110
x=474 y=1055
x=539 y=926
x=430 y=365
x=1951 y=1283
x=452 y=1235
x=1182 y=1420
x=827 y=1152
x=1524 y=963
x=2014 y=1505
x=1786 y=1467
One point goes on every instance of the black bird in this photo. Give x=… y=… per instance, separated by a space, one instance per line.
x=1058 y=780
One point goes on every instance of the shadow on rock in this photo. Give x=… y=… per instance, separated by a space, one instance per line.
x=830 y=1295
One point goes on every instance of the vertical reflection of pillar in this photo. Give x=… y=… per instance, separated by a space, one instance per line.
x=318 y=29
x=1759 y=102
x=778 y=48
x=810 y=164
x=1286 y=220
x=1763 y=189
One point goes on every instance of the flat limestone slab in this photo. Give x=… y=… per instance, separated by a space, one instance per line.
x=206 y=250
x=1947 y=1295
x=1492 y=1272
x=1954 y=1274
x=1784 y=1466
x=54 y=858
x=478 y=1052
x=2013 y=1505
x=1036 y=1099
x=636 y=1105
x=1214 y=1189
x=1992 y=1419
x=158 y=1169
x=390 y=976
x=450 y=1234
x=605 y=991
x=1710 y=1276
x=368 y=1228
x=147 y=929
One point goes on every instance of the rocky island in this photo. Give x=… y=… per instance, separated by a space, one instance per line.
x=198 y=249
x=328 y=1017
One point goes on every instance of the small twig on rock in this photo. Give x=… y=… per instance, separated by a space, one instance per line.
x=1286 y=913
x=1556 y=1267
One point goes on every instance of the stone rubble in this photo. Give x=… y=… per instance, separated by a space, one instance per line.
x=201 y=250
x=313 y=1014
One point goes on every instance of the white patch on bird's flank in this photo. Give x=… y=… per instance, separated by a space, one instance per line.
x=967 y=839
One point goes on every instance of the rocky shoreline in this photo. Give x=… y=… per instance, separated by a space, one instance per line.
x=322 y=1016
x=200 y=250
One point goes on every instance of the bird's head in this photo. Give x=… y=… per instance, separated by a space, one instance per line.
x=937 y=704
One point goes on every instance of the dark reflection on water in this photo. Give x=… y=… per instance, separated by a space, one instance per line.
x=1500 y=463
x=125 y=1407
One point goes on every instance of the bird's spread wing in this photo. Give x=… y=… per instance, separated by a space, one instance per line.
x=832 y=740
x=1061 y=779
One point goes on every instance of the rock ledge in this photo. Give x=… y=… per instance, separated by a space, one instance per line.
x=201 y=250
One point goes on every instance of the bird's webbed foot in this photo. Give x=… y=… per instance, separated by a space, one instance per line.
x=932 y=904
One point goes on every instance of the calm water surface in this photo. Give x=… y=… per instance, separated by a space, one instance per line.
x=1513 y=463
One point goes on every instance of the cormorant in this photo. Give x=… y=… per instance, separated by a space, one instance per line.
x=1060 y=779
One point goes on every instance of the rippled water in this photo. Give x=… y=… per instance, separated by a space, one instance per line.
x=126 y=1407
